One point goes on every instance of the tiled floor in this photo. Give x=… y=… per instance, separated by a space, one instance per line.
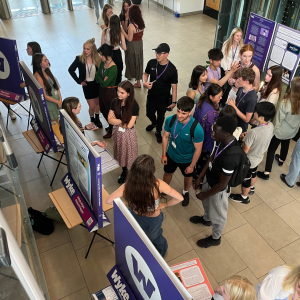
x=257 y=237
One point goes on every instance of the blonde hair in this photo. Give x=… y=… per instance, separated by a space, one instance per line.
x=106 y=7
x=291 y=279
x=228 y=43
x=240 y=288
x=94 y=54
x=293 y=95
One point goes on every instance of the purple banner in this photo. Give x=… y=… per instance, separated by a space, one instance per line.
x=40 y=135
x=259 y=34
x=285 y=52
x=10 y=73
x=79 y=202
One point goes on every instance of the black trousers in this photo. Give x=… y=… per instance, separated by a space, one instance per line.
x=117 y=58
x=155 y=111
x=272 y=149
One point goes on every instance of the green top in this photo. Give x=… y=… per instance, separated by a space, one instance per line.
x=52 y=107
x=111 y=74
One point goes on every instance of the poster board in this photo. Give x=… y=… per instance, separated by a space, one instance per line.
x=259 y=34
x=10 y=73
x=285 y=52
x=39 y=105
x=146 y=273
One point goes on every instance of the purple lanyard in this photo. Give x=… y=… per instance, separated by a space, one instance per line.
x=175 y=136
x=199 y=90
x=105 y=69
x=89 y=69
x=262 y=125
x=217 y=154
x=214 y=73
x=162 y=71
x=233 y=53
x=243 y=96
x=246 y=67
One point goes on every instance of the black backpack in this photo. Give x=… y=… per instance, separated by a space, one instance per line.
x=40 y=223
x=192 y=129
x=241 y=171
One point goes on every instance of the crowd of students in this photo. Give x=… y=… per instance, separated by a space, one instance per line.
x=225 y=115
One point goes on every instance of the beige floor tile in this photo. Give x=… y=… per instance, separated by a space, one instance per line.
x=259 y=256
x=248 y=274
x=270 y=226
x=234 y=219
x=62 y=271
x=80 y=295
x=295 y=192
x=291 y=253
x=290 y=213
x=222 y=261
x=21 y=147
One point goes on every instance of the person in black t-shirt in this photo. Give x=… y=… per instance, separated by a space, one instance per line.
x=163 y=76
x=215 y=189
x=246 y=99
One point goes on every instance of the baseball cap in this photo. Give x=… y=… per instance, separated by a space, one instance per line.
x=163 y=47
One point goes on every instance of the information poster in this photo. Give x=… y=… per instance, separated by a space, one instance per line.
x=285 y=52
x=259 y=34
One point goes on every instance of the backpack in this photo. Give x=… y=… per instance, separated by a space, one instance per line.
x=40 y=223
x=241 y=171
x=192 y=129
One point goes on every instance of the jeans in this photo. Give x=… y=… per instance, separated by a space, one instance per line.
x=96 y=6
x=152 y=228
x=272 y=149
x=294 y=169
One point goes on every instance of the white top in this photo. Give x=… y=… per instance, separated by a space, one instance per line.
x=90 y=76
x=271 y=287
x=107 y=39
x=101 y=21
x=227 y=60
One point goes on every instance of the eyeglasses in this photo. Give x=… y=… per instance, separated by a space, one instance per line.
x=159 y=54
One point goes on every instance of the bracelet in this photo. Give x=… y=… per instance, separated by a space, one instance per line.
x=174 y=102
x=164 y=156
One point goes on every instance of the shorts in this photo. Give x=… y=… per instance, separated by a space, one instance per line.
x=251 y=174
x=172 y=165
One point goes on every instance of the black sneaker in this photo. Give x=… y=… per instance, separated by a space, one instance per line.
x=282 y=177
x=252 y=190
x=239 y=198
x=298 y=183
x=208 y=242
x=200 y=220
x=98 y=123
x=262 y=175
x=186 y=199
x=280 y=163
x=150 y=127
x=158 y=137
x=122 y=177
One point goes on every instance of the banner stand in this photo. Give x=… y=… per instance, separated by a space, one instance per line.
x=8 y=102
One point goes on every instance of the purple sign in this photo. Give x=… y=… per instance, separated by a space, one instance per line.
x=285 y=52
x=79 y=202
x=40 y=135
x=259 y=34
x=10 y=73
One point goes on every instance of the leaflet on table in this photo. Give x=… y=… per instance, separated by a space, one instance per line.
x=108 y=163
x=285 y=52
x=79 y=162
x=106 y=294
x=194 y=279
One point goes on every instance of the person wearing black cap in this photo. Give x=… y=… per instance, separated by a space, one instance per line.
x=163 y=76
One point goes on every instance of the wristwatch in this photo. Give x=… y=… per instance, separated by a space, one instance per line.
x=174 y=102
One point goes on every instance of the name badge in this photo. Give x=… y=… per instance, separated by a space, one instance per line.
x=89 y=79
x=173 y=144
x=210 y=165
x=55 y=92
x=121 y=129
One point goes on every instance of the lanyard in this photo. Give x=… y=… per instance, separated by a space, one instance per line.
x=243 y=96
x=89 y=69
x=233 y=53
x=217 y=154
x=262 y=125
x=105 y=69
x=214 y=73
x=200 y=91
x=162 y=71
x=175 y=136
x=246 y=67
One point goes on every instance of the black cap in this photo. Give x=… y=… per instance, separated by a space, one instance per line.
x=163 y=47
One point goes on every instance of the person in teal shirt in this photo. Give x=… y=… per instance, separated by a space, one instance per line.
x=183 y=149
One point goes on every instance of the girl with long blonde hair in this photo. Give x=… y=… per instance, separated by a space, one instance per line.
x=88 y=63
x=107 y=12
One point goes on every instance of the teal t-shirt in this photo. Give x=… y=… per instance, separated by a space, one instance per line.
x=184 y=151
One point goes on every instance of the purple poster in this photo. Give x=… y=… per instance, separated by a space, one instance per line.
x=40 y=135
x=285 y=51
x=10 y=73
x=259 y=34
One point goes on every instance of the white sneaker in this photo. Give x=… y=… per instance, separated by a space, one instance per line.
x=12 y=114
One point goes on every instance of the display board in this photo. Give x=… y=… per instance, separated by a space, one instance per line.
x=145 y=271
x=285 y=51
x=39 y=105
x=259 y=34
x=10 y=73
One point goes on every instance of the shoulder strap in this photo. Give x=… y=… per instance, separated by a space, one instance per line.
x=172 y=121
x=234 y=150
x=192 y=130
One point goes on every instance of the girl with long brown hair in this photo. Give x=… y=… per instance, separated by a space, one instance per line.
x=107 y=12
x=142 y=192
x=124 y=15
x=123 y=113
x=114 y=37
x=45 y=78
x=87 y=64
x=286 y=126
x=134 y=54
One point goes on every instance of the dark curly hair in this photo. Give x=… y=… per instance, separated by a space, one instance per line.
x=141 y=184
x=135 y=16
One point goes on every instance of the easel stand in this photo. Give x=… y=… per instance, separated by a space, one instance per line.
x=70 y=215
x=38 y=148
